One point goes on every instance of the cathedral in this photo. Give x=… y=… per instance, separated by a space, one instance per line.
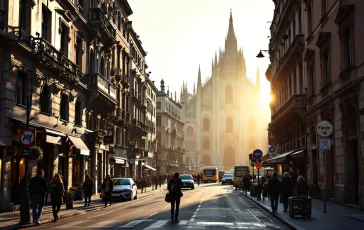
x=222 y=115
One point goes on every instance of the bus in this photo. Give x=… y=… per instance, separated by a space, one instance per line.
x=210 y=174
x=239 y=172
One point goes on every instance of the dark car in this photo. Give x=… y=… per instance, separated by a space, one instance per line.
x=187 y=181
x=227 y=179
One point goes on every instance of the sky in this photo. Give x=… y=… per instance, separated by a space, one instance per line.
x=180 y=35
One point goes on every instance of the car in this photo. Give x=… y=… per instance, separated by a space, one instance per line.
x=227 y=179
x=124 y=188
x=187 y=181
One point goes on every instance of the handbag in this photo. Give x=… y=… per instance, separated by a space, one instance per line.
x=168 y=198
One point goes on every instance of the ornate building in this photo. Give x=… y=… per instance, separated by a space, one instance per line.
x=221 y=116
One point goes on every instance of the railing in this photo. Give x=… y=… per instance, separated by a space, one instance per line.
x=103 y=84
x=2 y=20
x=295 y=102
x=96 y=15
x=22 y=35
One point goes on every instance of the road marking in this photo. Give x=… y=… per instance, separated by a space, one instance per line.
x=253 y=215
x=72 y=224
x=215 y=223
x=157 y=224
x=131 y=224
x=182 y=222
x=102 y=224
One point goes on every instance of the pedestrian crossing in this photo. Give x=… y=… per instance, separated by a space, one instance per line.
x=149 y=224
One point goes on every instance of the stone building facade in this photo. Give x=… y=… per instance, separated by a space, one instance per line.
x=222 y=118
x=333 y=75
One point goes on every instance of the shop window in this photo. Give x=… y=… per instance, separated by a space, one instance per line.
x=229 y=125
x=45 y=100
x=64 y=105
x=78 y=113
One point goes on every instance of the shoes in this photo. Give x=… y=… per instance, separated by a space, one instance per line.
x=172 y=217
x=84 y=205
x=38 y=222
x=88 y=204
x=176 y=218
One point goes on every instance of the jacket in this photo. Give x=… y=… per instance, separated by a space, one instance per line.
x=274 y=186
x=38 y=186
x=174 y=188
x=287 y=186
x=301 y=188
x=111 y=185
x=88 y=186
x=57 y=191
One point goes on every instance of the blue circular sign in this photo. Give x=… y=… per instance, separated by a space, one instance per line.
x=257 y=154
x=272 y=149
x=131 y=161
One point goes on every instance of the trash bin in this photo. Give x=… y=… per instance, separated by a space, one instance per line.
x=299 y=205
x=253 y=190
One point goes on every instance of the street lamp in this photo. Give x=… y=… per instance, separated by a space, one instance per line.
x=261 y=55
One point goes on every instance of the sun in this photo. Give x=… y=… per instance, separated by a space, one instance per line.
x=266 y=98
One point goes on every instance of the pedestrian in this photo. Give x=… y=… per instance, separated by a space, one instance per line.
x=198 y=177
x=143 y=184
x=107 y=186
x=286 y=190
x=246 y=183
x=174 y=188
x=156 y=181
x=301 y=188
x=38 y=188
x=57 y=191
x=265 y=189
x=274 y=188
x=88 y=187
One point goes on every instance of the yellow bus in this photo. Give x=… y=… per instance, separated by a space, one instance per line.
x=239 y=172
x=210 y=174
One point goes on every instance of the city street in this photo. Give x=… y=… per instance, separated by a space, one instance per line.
x=210 y=206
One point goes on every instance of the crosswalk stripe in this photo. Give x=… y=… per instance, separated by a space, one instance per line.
x=102 y=224
x=131 y=224
x=157 y=224
x=182 y=222
x=72 y=224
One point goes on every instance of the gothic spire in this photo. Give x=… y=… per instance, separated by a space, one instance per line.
x=199 y=84
x=194 y=87
x=231 y=33
x=231 y=42
x=162 y=86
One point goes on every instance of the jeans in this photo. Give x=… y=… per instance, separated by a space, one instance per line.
x=108 y=198
x=55 y=209
x=37 y=206
x=175 y=203
x=274 y=202
x=87 y=197
x=285 y=202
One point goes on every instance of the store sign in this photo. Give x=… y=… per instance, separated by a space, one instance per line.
x=54 y=140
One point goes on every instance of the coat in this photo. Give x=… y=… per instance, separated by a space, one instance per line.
x=111 y=185
x=274 y=186
x=287 y=186
x=38 y=186
x=174 y=188
x=88 y=186
x=57 y=191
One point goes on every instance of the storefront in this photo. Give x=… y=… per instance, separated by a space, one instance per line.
x=292 y=161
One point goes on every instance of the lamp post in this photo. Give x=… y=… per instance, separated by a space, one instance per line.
x=261 y=55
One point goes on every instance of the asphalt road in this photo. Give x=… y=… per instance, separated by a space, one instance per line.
x=210 y=206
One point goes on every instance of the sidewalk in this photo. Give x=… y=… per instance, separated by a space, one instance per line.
x=336 y=217
x=10 y=220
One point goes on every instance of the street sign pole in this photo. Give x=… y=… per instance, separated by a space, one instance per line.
x=258 y=194
x=326 y=173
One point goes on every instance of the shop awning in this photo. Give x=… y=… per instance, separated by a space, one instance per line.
x=150 y=167
x=280 y=158
x=79 y=144
x=56 y=133
x=298 y=154
x=119 y=160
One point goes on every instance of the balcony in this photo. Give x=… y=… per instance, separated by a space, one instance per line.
x=137 y=128
x=294 y=52
x=23 y=37
x=135 y=97
x=296 y=104
x=97 y=19
x=285 y=15
x=100 y=84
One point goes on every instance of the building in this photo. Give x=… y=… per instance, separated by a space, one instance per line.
x=170 y=137
x=73 y=64
x=220 y=116
x=333 y=74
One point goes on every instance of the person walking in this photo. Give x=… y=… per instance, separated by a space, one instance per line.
x=107 y=186
x=301 y=188
x=143 y=184
x=88 y=187
x=286 y=189
x=38 y=188
x=174 y=188
x=198 y=178
x=57 y=191
x=246 y=183
x=274 y=188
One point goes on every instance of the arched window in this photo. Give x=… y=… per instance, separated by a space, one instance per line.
x=229 y=95
x=78 y=113
x=189 y=131
x=206 y=143
x=229 y=125
x=206 y=125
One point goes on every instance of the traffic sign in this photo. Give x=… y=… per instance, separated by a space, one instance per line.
x=325 y=144
x=324 y=128
x=258 y=165
x=27 y=137
x=252 y=164
x=257 y=154
x=26 y=152
x=131 y=161
x=272 y=149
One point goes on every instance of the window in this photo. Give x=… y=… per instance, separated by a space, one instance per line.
x=78 y=113
x=325 y=67
x=190 y=131
x=102 y=67
x=46 y=23
x=206 y=125
x=229 y=95
x=117 y=136
x=45 y=103
x=311 y=77
x=346 y=49
x=229 y=125
x=323 y=7
x=21 y=89
x=79 y=53
x=92 y=61
x=64 y=107
x=159 y=105
x=159 y=121
x=22 y=13
x=206 y=143
x=64 y=40
x=309 y=20
x=252 y=124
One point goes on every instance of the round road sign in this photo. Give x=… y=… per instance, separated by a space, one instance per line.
x=131 y=161
x=257 y=154
x=27 y=137
x=272 y=149
x=324 y=128
x=258 y=165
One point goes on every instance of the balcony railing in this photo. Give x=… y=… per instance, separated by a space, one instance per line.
x=2 y=20
x=103 y=85
x=295 y=102
x=96 y=15
x=23 y=36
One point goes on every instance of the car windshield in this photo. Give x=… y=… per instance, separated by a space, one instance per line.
x=241 y=172
x=209 y=172
x=121 y=181
x=228 y=175
x=185 y=177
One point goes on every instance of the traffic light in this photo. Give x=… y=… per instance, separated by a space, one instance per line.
x=250 y=156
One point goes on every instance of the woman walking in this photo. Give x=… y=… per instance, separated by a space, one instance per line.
x=57 y=191
x=174 y=188
x=107 y=186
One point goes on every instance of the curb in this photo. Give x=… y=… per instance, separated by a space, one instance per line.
x=269 y=211
x=76 y=213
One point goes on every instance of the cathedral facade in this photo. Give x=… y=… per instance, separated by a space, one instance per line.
x=221 y=115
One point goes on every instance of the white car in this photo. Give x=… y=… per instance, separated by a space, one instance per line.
x=124 y=188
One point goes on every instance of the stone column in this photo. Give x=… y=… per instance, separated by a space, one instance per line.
x=94 y=168
x=56 y=160
x=70 y=168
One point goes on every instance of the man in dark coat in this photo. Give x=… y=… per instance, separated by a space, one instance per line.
x=287 y=187
x=88 y=187
x=174 y=188
x=38 y=188
x=274 y=188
